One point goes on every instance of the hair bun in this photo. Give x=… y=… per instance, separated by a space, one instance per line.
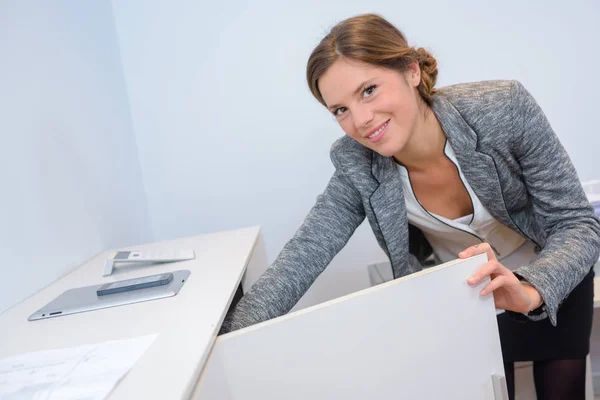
x=426 y=60
x=429 y=73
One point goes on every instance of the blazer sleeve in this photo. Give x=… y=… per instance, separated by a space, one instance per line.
x=573 y=231
x=325 y=231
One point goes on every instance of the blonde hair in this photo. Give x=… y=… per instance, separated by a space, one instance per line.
x=373 y=40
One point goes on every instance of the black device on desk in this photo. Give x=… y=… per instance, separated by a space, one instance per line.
x=135 y=284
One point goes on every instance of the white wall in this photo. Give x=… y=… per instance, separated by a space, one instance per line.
x=229 y=135
x=71 y=182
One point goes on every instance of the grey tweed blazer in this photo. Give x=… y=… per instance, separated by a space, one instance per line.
x=512 y=159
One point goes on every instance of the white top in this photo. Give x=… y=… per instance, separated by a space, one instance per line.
x=450 y=237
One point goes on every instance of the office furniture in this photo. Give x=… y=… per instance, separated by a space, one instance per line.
x=425 y=336
x=187 y=324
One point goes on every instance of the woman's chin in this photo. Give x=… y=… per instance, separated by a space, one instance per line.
x=385 y=147
x=385 y=151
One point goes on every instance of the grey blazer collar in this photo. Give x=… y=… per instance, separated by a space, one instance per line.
x=479 y=168
x=460 y=135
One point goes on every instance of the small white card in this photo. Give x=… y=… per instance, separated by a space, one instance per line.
x=154 y=255
x=159 y=256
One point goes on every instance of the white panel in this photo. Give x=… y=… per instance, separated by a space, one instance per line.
x=595 y=340
x=589 y=383
x=257 y=264
x=425 y=336
x=213 y=381
x=524 y=385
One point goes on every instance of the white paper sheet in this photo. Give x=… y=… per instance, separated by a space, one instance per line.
x=87 y=372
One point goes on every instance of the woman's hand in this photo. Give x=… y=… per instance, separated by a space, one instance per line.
x=509 y=293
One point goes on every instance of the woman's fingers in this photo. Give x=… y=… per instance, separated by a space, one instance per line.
x=496 y=283
x=478 y=249
x=491 y=267
x=506 y=287
x=509 y=292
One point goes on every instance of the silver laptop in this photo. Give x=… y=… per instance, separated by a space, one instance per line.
x=86 y=298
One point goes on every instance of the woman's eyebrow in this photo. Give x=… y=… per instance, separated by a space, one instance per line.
x=358 y=89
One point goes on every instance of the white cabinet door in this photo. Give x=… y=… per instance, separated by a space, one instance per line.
x=425 y=336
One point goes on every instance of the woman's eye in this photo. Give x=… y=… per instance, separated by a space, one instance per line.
x=339 y=112
x=369 y=91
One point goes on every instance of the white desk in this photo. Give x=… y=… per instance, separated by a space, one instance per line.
x=187 y=324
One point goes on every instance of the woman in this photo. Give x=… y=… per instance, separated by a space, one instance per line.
x=469 y=169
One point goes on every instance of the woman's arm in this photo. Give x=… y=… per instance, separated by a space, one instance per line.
x=573 y=231
x=325 y=231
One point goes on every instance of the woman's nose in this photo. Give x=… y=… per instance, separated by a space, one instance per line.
x=362 y=117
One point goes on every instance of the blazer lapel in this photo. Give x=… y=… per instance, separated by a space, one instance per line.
x=387 y=203
x=479 y=168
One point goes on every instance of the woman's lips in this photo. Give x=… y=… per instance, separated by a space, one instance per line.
x=378 y=135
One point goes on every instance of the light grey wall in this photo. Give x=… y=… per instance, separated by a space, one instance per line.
x=71 y=182
x=229 y=135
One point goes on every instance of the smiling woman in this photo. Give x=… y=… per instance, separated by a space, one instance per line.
x=463 y=170
x=365 y=67
x=383 y=99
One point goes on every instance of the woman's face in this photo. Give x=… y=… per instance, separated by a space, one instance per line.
x=377 y=107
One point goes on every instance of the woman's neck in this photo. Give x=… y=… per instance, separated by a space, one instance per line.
x=425 y=146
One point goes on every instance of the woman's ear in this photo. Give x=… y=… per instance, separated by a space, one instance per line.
x=413 y=74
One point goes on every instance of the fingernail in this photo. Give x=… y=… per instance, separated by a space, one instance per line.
x=483 y=293
x=471 y=280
